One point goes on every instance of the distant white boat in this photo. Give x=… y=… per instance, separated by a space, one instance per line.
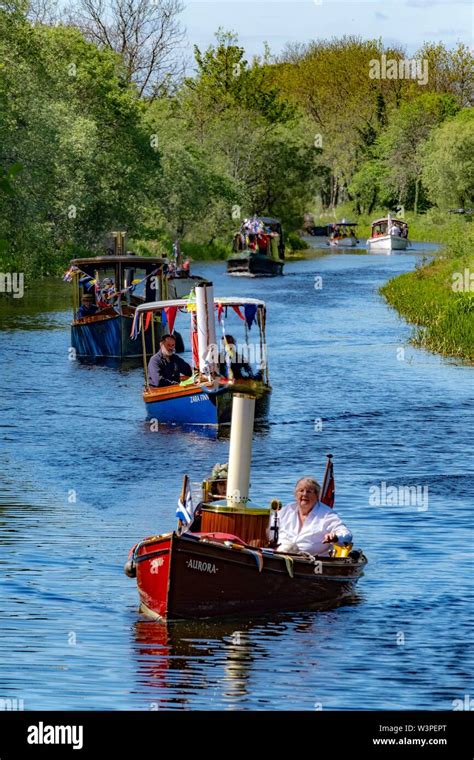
x=388 y=235
x=343 y=235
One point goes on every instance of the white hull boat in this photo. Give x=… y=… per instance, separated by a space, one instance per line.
x=386 y=243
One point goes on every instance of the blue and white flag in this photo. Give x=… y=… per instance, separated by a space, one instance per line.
x=185 y=511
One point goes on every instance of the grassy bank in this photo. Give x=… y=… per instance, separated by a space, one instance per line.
x=438 y=298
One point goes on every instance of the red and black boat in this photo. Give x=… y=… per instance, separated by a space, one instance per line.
x=217 y=574
x=226 y=565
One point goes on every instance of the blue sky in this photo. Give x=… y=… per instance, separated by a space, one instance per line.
x=406 y=22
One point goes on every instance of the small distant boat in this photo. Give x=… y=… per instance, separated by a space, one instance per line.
x=258 y=249
x=343 y=234
x=205 y=398
x=388 y=234
x=229 y=567
x=179 y=280
x=113 y=286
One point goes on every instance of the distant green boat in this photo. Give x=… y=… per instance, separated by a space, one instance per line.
x=258 y=249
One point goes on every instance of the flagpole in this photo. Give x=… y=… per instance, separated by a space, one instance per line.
x=183 y=497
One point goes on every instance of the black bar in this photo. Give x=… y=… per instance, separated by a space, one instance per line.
x=339 y=734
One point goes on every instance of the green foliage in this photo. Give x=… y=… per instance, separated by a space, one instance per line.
x=428 y=297
x=272 y=137
x=224 y=79
x=448 y=162
x=401 y=144
x=295 y=242
x=369 y=186
x=373 y=130
x=218 y=249
x=76 y=129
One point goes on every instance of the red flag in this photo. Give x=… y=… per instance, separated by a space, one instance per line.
x=171 y=312
x=148 y=318
x=194 y=341
x=238 y=312
x=220 y=309
x=328 y=490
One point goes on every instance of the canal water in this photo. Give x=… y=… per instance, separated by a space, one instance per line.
x=83 y=478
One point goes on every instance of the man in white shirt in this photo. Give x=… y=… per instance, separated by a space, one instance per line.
x=307 y=525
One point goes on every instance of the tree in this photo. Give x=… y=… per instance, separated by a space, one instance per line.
x=330 y=80
x=368 y=187
x=450 y=71
x=192 y=192
x=225 y=80
x=448 y=162
x=43 y=11
x=147 y=35
x=400 y=144
x=69 y=118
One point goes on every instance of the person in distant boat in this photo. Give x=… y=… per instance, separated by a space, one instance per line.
x=107 y=290
x=404 y=233
x=239 y=370
x=263 y=241
x=165 y=367
x=87 y=307
x=307 y=525
x=395 y=230
x=252 y=242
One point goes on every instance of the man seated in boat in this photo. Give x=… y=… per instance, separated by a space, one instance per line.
x=165 y=367
x=87 y=307
x=307 y=525
x=235 y=369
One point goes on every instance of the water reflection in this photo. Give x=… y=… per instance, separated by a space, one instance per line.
x=215 y=661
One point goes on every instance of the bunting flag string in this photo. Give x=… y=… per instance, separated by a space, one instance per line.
x=250 y=311
x=194 y=341
x=239 y=313
x=89 y=281
x=170 y=313
x=148 y=318
x=134 y=329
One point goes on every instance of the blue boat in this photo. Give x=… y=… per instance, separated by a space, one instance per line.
x=114 y=286
x=202 y=399
x=202 y=403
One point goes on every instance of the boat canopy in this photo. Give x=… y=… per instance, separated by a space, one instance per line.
x=387 y=219
x=137 y=261
x=344 y=224
x=269 y=220
x=183 y=302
